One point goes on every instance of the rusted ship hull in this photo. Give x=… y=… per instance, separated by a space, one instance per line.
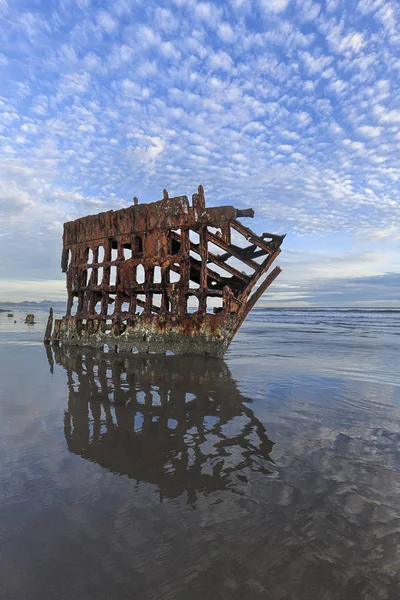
x=161 y=277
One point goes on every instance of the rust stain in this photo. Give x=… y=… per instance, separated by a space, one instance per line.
x=134 y=274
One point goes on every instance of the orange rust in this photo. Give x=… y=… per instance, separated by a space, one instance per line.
x=141 y=267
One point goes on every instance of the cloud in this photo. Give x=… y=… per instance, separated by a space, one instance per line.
x=207 y=12
x=226 y=34
x=35 y=290
x=165 y=19
x=390 y=116
x=353 y=42
x=351 y=276
x=134 y=90
x=221 y=60
x=315 y=64
x=83 y=3
x=379 y=290
x=390 y=234
x=148 y=149
x=370 y=131
x=74 y=83
x=289 y=114
x=273 y=6
x=308 y=10
x=106 y=22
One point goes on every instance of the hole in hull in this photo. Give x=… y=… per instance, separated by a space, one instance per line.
x=140 y=275
x=74 y=307
x=140 y=298
x=138 y=245
x=174 y=245
x=194 y=237
x=114 y=250
x=127 y=251
x=111 y=304
x=192 y=304
x=173 y=276
x=157 y=274
x=214 y=305
x=113 y=275
x=89 y=275
x=157 y=299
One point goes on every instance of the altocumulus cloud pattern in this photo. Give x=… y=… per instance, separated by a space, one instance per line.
x=290 y=106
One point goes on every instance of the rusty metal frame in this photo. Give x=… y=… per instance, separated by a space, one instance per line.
x=103 y=256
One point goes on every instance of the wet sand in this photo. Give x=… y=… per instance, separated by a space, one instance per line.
x=272 y=474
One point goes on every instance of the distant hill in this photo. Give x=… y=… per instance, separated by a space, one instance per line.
x=57 y=304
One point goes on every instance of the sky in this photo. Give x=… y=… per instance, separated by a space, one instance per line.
x=291 y=107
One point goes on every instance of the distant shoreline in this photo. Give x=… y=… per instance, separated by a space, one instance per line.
x=4 y=306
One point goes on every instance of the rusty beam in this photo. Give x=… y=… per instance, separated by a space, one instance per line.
x=263 y=268
x=252 y=237
x=214 y=258
x=257 y=295
x=231 y=250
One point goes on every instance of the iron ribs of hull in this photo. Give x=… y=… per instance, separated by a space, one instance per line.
x=162 y=276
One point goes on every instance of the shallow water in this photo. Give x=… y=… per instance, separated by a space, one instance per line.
x=272 y=474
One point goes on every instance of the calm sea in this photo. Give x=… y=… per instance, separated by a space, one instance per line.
x=274 y=474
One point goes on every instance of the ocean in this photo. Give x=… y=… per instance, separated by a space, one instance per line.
x=273 y=474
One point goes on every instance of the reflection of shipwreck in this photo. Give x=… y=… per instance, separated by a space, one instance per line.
x=162 y=276
x=179 y=423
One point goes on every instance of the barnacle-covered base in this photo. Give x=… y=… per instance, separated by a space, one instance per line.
x=209 y=335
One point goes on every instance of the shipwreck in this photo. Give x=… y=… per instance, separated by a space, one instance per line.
x=164 y=276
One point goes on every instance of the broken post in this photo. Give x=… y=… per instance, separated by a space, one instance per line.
x=49 y=327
